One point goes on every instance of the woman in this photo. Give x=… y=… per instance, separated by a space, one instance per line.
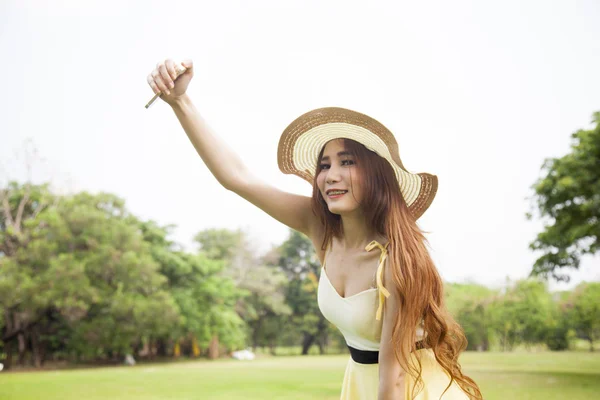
x=388 y=303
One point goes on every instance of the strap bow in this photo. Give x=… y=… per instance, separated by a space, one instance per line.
x=383 y=292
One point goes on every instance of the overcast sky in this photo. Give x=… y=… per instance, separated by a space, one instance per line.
x=476 y=92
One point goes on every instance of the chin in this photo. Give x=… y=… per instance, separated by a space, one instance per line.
x=334 y=210
x=341 y=210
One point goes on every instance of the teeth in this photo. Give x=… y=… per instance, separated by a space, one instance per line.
x=338 y=192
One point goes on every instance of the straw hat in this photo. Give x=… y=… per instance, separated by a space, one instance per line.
x=303 y=139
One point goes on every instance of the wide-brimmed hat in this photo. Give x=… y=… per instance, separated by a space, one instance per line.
x=302 y=141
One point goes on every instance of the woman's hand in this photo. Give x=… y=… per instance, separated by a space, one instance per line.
x=165 y=80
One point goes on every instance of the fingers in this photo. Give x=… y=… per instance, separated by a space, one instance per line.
x=155 y=88
x=165 y=80
x=171 y=69
x=159 y=79
x=163 y=77
x=156 y=82
x=164 y=74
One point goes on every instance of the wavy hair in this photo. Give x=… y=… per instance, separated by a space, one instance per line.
x=416 y=280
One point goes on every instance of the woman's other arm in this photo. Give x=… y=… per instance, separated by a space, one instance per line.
x=391 y=375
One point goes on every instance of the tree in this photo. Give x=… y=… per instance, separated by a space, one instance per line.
x=221 y=244
x=261 y=287
x=264 y=305
x=568 y=200
x=206 y=296
x=559 y=331
x=522 y=314
x=83 y=281
x=20 y=207
x=584 y=311
x=302 y=267
x=469 y=304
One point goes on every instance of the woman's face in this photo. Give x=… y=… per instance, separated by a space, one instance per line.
x=339 y=171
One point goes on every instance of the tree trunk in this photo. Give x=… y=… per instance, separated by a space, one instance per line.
x=161 y=348
x=591 y=345
x=486 y=343
x=153 y=348
x=322 y=334
x=321 y=347
x=36 y=347
x=22 y=348
x=213 y=348
x=9 y=346
x=8 y=343
x=255 y=332
x=307 y=342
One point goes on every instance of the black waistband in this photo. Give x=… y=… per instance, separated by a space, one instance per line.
x=364 y=356
x=372 y=357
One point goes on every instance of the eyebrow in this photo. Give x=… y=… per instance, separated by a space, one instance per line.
x=339 y=154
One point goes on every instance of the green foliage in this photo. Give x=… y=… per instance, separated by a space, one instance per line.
x=83 y=278
x=583 y=310
x=85 y=259
x=302 y=267
x=260 y=288
x=205 y=298
x=469 y=304
x=522 y=314
x=298 y=258
x=264 y=308
x=568 y=199
x=558 y=335
x=219 y=244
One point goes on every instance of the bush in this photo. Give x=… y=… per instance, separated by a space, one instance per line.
x=558 y=338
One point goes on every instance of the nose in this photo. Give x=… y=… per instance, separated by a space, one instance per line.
x=333 y=175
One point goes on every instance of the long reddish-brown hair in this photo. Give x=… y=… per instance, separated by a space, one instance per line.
x=416 y=280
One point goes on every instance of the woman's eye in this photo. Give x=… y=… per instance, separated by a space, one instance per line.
x=344 y=162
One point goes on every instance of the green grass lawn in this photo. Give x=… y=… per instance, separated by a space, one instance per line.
x=519 y=375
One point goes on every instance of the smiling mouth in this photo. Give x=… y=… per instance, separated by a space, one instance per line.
x=336 y=194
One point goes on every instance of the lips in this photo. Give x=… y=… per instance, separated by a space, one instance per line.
x=335 y=193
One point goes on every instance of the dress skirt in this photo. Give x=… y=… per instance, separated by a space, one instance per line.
x=361 y=381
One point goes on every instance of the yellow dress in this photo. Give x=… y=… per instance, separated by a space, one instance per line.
x=358 y=318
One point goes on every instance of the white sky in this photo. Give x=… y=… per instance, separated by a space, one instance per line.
x=476 y=92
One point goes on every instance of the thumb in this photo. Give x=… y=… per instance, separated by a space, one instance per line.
x=188 y=64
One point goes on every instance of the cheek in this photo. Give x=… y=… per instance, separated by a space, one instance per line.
x=320 y=181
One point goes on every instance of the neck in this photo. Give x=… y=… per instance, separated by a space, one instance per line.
x=356 y=234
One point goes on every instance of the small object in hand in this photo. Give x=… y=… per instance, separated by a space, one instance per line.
x=179 y=69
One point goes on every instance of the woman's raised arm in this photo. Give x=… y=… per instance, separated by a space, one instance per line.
x=227 y=167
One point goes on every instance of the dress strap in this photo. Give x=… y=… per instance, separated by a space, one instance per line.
x=383 y=292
